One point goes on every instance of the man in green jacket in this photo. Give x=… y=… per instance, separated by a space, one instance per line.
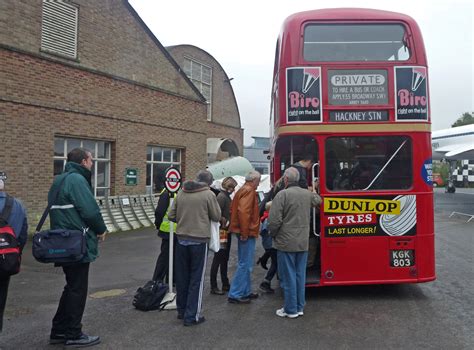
x=76 y=209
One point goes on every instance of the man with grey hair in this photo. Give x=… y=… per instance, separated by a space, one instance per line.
x=288 y=224
x=193 y=209
x=245 y=223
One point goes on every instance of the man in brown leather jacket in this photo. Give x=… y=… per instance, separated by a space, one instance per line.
x=245 y=223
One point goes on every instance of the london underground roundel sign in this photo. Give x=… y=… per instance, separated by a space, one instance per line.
x=173 y=180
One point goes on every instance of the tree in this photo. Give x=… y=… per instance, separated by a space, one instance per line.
x=465 y=119
x=442 y=169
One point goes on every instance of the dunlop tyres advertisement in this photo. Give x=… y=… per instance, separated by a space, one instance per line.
x=369 y=216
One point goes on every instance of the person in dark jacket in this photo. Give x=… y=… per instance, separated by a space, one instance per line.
x=163 y=225
x=221 y=258
x=17 y=220
x=303 y=166
x=76 y=209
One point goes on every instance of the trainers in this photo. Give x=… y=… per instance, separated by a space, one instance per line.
x=195 y=322
x=238 y=301
x=83 y=341
x=281 y=312
x=265 y=287
x=252 y=296
x=57 y=339
x=217 y=291
x=300 y=313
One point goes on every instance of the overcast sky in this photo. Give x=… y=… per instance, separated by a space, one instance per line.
x=242 y=34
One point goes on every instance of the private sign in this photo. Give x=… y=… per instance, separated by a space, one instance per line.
x=172 y=180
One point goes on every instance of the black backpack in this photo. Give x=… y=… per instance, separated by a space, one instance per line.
x=149 y=296
x=10 y=256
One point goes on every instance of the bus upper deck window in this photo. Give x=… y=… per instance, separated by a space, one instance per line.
x=355 y=42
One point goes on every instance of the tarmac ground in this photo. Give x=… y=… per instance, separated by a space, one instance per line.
x=435 y=315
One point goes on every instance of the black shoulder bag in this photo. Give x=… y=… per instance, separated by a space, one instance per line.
x=60 y=245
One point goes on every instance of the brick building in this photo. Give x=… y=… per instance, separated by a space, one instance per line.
x=90 y=73
x=222 y=111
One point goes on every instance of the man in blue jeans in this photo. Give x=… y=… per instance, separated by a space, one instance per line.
x=245 y=223
x=288 y=224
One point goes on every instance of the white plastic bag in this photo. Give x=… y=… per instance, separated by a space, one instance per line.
x=214 y=243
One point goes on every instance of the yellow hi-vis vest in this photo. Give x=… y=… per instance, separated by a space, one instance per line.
x=165 y=224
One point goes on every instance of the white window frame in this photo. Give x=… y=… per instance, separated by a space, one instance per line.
x=96 y=159
x=176 y=162
x=194 y=70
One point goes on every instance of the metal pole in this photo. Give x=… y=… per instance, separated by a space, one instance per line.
x=170 y=296
x=170 y=265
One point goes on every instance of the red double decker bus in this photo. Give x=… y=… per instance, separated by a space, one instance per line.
x=351 y=87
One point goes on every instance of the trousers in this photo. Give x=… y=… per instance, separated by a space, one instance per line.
x=221 y=261
x=68 y=317
x=292 y=272
x=241 y=283
x=190 y=269
x=4 y=282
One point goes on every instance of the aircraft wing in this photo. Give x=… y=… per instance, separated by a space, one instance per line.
x=459 y=152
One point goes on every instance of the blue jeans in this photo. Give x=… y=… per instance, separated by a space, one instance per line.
x=292 y=272
x=241 y=283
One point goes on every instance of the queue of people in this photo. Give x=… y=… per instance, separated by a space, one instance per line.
x=281 y=219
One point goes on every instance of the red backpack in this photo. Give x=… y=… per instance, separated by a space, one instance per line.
x=10 y=256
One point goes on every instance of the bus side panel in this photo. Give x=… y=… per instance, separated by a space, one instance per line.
x=426 y=264
x=426 y=239
x=346 y=259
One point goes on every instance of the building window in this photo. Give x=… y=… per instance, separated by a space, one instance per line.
x=59 y=28
x=262 y=168
x=201 y=76
x=158 y=160
x=100 y=153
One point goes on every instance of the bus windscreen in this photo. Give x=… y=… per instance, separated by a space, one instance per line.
x=355 y=42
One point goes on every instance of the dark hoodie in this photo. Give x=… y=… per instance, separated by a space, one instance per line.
x=193 y=209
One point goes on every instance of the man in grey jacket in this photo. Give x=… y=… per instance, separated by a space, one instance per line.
x=288 y=224
x=193 y=209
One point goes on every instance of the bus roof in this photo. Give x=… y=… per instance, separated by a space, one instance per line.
x=348 y=14
x=292 y=24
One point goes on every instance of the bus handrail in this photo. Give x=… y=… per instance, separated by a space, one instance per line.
x=313 y=178
x=386 y=164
